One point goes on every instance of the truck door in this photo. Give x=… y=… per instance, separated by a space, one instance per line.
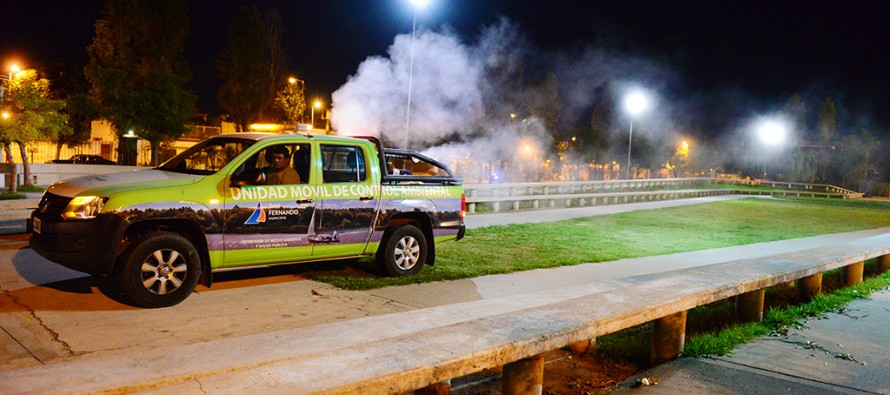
x=349 y=203
x=269 y=220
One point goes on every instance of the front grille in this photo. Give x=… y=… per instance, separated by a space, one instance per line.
x=52 y=206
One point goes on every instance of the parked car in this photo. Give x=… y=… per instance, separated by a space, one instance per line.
x=83 y=159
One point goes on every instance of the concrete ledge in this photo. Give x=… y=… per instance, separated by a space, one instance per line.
x=405 y=351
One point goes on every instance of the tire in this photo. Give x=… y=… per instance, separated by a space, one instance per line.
x=161 y=270
x=404 y=252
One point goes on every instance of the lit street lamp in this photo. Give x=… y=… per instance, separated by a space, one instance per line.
x=635 y=103
x=315 y=105
x=418 y=4
x=13 y=70
x=771 y=132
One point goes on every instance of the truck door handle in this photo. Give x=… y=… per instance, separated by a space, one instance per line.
x=366 y=198
x=305 y=201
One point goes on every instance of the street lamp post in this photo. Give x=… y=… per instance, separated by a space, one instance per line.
x=772 y=133
x=418 y=4
x=12 y=71
x=635 y=103
x=315 y=105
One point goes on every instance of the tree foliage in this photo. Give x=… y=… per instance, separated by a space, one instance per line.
x=137 y=70
x=70 y=85
x=542 y=101
x=292 y=101
x=252 y=66
x=30 y=115
x=856 y=157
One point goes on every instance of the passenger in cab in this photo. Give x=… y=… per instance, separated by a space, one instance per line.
x=280 y=171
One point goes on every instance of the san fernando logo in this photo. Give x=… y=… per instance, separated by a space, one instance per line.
x=258 y=216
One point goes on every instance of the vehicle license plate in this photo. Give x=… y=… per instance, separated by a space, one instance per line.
x=36 y=225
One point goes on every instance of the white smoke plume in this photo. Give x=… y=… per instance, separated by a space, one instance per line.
x=463 y=93
x=445 y=86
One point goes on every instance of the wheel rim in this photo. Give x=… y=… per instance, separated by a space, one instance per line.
x=407 y=253
x=164 y=271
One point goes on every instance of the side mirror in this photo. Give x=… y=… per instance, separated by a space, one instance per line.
x=249 y=177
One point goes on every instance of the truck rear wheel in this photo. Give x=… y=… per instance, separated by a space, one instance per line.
x=161 y=270
x=404 y=252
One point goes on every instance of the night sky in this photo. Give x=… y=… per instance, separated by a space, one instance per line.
x=762 y=50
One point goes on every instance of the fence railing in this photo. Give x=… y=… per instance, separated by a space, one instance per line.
x=582 y=193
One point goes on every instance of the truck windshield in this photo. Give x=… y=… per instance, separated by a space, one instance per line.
x=208 y=156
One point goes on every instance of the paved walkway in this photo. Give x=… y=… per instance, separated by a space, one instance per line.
x=14 y=212
x=847 y=352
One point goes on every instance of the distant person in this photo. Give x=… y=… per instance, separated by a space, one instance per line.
x=280 y=172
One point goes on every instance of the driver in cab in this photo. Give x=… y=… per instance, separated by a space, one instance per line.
x=280 y=171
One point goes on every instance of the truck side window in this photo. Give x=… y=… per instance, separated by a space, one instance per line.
x=292 y=169
x=343 y=163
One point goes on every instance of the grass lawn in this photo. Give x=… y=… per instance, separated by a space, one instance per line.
x=505 y=249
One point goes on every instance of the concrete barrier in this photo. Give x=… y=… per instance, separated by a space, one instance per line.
x=593 y=199
x=417 y=349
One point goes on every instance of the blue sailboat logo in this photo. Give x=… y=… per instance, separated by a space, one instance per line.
x=258 y=216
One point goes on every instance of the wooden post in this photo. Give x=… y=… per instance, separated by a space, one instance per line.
x=749 y=306
x=853 y=273
x=525 y=376
x=669 y=338
x=808 y=287
x=583 y=346
x=884 y=263
x=443 y=388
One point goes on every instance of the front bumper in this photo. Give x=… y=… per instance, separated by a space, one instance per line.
x=88 y=246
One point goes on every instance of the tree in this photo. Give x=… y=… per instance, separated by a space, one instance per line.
x=601 y=122
x=799 y=166
x=292 y=100
x=542 y=101
x=827 y=127
x=252 y=66
x=853 y=160
x=796 y=110
x=70 y=84
x=273 y=33
x=827 y=122
x=137 y=71
x=31 y=114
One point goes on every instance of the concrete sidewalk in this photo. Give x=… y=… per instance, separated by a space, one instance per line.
x=846 y=352
x=14 y=213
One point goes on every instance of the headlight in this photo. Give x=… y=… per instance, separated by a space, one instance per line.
x=84 y=207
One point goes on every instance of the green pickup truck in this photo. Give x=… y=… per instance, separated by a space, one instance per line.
x=248 y=199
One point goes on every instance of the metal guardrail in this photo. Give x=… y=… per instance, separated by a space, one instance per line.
x=582 y=193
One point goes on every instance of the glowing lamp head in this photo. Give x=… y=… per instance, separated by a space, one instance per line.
x=419 y=4
x=317 y=104
x=772 y=133
x=292 y=80
x=636 y=103
x=14 y=68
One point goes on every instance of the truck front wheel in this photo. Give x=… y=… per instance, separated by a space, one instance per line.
x=161 y=270
x=404 y=252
